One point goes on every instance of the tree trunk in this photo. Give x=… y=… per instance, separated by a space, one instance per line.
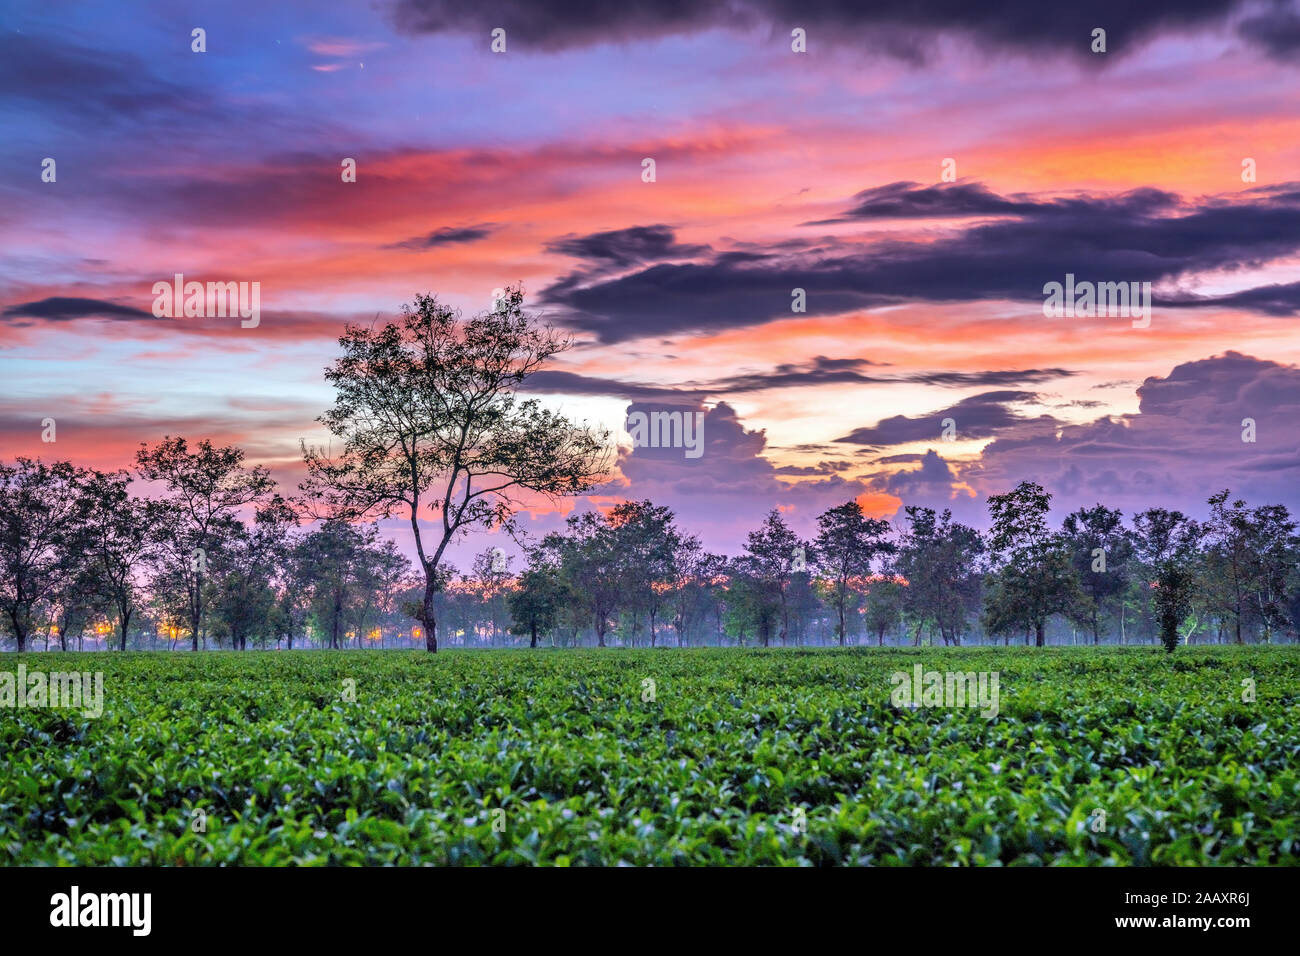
x=427 y=617
x=841 y=623
x=533 y=629
x=1039 y=628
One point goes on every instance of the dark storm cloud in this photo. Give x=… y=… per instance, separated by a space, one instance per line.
x=731 y=482
x=820 y=371
x=66 y=308
x=446 y=236
x=826 y=371
x=821 y=468
x=934 y=475
x=1184 y=443
x=903 y=28
x=1276 y=32
x=555 y=382
x=904 y=200
x=1269 y=299
x=910 y=201
x=1145 y=235
x=1016 y=376
x=979 y=416
x=65 y=78
x=626 y=247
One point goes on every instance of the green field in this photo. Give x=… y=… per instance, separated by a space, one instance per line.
x=711 y=771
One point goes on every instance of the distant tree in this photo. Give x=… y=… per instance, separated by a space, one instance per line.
x=1099 y=549
x=293 y=595
x=884 y=607
x=1033 y=578
x=245 y=598
x=490 y=577
x=847 y=543
x=695 y=574
x=335 y=551
x=1272 y=565
x=119 y=538
x=77 y=602
x=207 y=488
x=1166 y=545
x=590 y=567
x=390 y=575
x=428 y=416
x=647 y=542
x=39 y=528
x=752 y=605
x=773 y=558
x=710 y=583
x=940 y=562
x=1248 y=555
x=535 y=605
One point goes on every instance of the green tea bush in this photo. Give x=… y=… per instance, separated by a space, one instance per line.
x=710 y=756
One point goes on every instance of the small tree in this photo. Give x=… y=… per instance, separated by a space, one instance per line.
x=846 y=544
x=208 y=486
x=941 y=563
x=1166 y=544
x=535 y=605
x=120 y=538
x=884 y=606
x=1034 y=579
x=39 y=528
x=589 y=562
x=771 y=562
x=1099 y=551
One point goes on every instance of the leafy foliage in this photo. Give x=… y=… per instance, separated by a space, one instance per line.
x=288 y=771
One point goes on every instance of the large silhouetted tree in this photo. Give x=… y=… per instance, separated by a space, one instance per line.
x=431 y=426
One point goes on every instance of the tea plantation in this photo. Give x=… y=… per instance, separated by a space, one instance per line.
x=709 y=756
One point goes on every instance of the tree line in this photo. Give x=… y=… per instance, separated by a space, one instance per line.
x=428 y=425
x=83 y=558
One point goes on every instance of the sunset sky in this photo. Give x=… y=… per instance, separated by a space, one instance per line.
x=775 y=170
